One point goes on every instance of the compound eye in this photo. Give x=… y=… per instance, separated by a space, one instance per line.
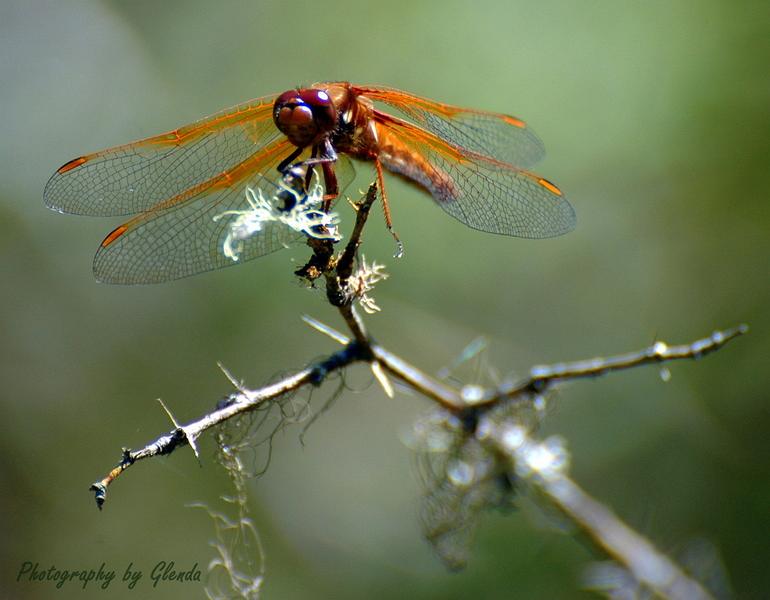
x=304 y=116
x=323 y=107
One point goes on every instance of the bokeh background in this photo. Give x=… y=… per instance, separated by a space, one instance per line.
x=656 y=118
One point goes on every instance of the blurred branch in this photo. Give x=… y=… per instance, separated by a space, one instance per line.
x=543 y=465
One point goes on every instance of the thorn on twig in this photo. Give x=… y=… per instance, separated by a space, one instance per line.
x=180 y=432
x=382 y=379
x=168 y=412
x=237 y=383
x=326 y=330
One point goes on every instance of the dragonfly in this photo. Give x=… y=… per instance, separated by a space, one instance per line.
x=175 y=186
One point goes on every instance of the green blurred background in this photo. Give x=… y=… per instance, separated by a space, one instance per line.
x=656 y=118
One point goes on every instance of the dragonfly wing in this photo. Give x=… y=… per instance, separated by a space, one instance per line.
x=186 y=234
x=501 y=137
x=134 y=177
x=483 y=193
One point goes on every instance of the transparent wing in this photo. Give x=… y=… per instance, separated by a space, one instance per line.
x=186 y=234
x=135 y=177
x=501 y=137
x=484 y=193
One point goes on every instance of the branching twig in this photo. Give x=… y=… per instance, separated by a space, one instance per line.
x=244 y=400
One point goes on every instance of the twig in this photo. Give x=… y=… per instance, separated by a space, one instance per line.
x=337 y=289
x=426 y=385
x=345 y=264
x=239 y=402
x=542 y=377
x=244 y=400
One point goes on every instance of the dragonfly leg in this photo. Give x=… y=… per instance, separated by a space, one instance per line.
x=386 y=209
x=326 y=159
x=321 y=154
x=283 y=166
x=330 y=183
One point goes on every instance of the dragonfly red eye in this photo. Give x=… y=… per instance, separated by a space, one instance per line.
x=304 y=116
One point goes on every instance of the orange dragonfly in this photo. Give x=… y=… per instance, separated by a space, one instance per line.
x=474 y=163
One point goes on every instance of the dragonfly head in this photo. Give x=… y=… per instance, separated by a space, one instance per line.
x=305 y=116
